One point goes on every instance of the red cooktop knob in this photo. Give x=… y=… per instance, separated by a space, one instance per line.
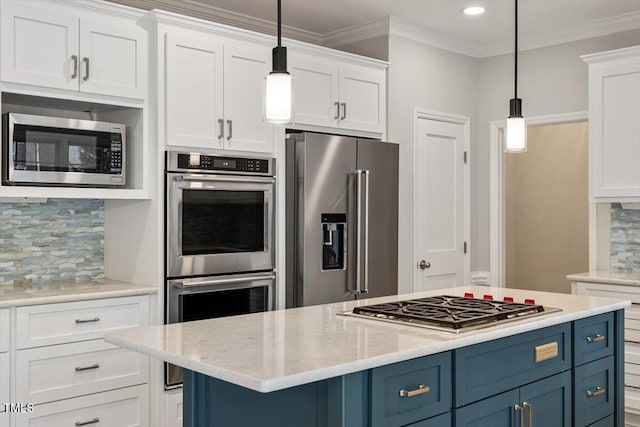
x=488 y=297
x=468 y=294
x=530 y=301
x=508 y=299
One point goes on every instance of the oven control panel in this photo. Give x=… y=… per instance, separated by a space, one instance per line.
x=213 y=163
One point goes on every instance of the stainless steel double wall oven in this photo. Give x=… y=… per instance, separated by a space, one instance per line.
x=220 y=255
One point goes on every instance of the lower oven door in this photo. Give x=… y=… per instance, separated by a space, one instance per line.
x=217 y=296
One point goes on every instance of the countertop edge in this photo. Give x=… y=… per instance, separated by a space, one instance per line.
x=85 y=296
x=271 y=385
x=604 y=278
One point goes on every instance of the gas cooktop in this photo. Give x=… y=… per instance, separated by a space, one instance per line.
x=450 y=313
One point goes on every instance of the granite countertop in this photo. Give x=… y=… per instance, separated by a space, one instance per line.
x=609 y=277
x=280 y=349
x=20 y=295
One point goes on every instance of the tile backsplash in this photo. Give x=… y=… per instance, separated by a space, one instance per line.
x=61 y=240
x=625 y=240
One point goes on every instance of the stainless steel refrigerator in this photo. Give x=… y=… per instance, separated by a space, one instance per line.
x=342 y=218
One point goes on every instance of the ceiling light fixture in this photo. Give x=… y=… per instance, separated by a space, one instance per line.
x=278 y=85
x=516 y=129
x=473 y=10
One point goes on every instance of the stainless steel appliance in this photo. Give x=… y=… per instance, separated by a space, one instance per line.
x=215 y=296
x=220 y=252
x=342 y=216
x=41 y=150
x=450 y=313
x=219 y=214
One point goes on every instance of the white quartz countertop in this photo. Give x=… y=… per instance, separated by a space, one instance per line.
x=20 y=295
x=609 y=277
x=281 y=349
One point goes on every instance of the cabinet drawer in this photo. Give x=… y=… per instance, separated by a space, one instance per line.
x=605 y=422
x=594 y=393
x=126 y=407
x=78 y=321
x=393 y=402
x=4 y=330
x=486 y=369
x=593 y=338
x=443 y=420
x=70 y=370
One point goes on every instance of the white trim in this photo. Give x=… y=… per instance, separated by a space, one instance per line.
x=420 y=113
x=612 y=55
x=496 y=190
x=356 y=33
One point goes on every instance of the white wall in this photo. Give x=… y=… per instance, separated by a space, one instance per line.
x=434 y=79
x=551 y=80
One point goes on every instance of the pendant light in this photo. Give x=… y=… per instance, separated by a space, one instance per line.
x=516 y=130
x=278 y=86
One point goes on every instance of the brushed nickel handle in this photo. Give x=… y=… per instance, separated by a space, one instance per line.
x=528 y=406
x=74 y=58
x=95 y=319
x=424 y=265
x=518 y=408
x=230 y=123
x=86 y=68
x=422 y=389
x=344 y=111
x=221 y=128
x=337 y=116
x=597 y=338
x=597 y=392
x=87 y=368
x=86 y=423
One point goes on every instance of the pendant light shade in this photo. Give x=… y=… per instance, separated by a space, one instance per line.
x=278 y=92
x=516 y=129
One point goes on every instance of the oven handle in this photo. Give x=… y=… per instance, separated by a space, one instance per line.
x=225 y=178
x=223 y=281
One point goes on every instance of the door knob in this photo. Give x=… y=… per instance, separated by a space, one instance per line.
x=424 y=265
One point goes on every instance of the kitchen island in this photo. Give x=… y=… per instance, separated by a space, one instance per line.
x=311 y=367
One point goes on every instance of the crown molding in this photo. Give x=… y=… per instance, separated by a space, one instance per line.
x=215 y=14
x=595 y=28
x=356 y=33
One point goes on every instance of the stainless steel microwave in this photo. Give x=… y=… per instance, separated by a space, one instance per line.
x=39 y=150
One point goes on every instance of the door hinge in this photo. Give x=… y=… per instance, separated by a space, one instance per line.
x=465 y=247
x=465 y=157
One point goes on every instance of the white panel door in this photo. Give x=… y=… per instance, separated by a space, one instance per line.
x=315 y=91
x=174 y=409
x=440 y=205
x=363 y=99
x=39 y=45
x=245 y=69
x=4 y=388
x=113 y=58
x=194 y=91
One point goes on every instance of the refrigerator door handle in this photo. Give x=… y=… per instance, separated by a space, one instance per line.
x=361 y=228
x=365 y=226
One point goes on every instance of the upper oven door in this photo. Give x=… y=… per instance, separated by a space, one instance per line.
x=219 y=224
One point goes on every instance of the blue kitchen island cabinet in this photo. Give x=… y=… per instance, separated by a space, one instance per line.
x=569 y=374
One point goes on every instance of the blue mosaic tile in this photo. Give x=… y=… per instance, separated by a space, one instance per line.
x=625 y=240
x=58 y=241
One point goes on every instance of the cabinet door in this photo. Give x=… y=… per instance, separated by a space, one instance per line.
x=113 y=58
x=39 y=44
x=614 y=128
x=245 y=69
x=363 y=98
x=496 y=411
x=315 y=92
x=4 y=387
x=548 y=402
x=194 y=97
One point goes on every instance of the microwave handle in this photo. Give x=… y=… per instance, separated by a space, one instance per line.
x=223 y=281
x=225 y=178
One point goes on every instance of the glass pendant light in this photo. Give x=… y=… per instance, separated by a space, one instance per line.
x=516 y=131
x=278 y=86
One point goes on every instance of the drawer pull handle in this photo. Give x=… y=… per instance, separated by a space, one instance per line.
x=95 y=319
x=597 y=392
x=597 y=338
x=87 y=368
x=86 y=423
x=420 y=390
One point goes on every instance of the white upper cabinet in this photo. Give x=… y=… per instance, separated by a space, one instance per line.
x=63 y=48
x=215 y=93
x=331 y=94
x=614 y=125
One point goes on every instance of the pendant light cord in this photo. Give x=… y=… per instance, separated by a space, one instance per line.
x=515 y=88
x=279 y=23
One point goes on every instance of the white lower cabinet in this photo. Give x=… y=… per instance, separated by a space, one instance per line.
x=4 y=388
x=124 y=407
x=174 y=409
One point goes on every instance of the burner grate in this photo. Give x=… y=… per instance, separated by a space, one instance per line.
x=448 y=311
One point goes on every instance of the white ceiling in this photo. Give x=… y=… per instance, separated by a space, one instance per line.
x=314 y=19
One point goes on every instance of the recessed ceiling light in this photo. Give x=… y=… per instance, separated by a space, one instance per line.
x=473 y=10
